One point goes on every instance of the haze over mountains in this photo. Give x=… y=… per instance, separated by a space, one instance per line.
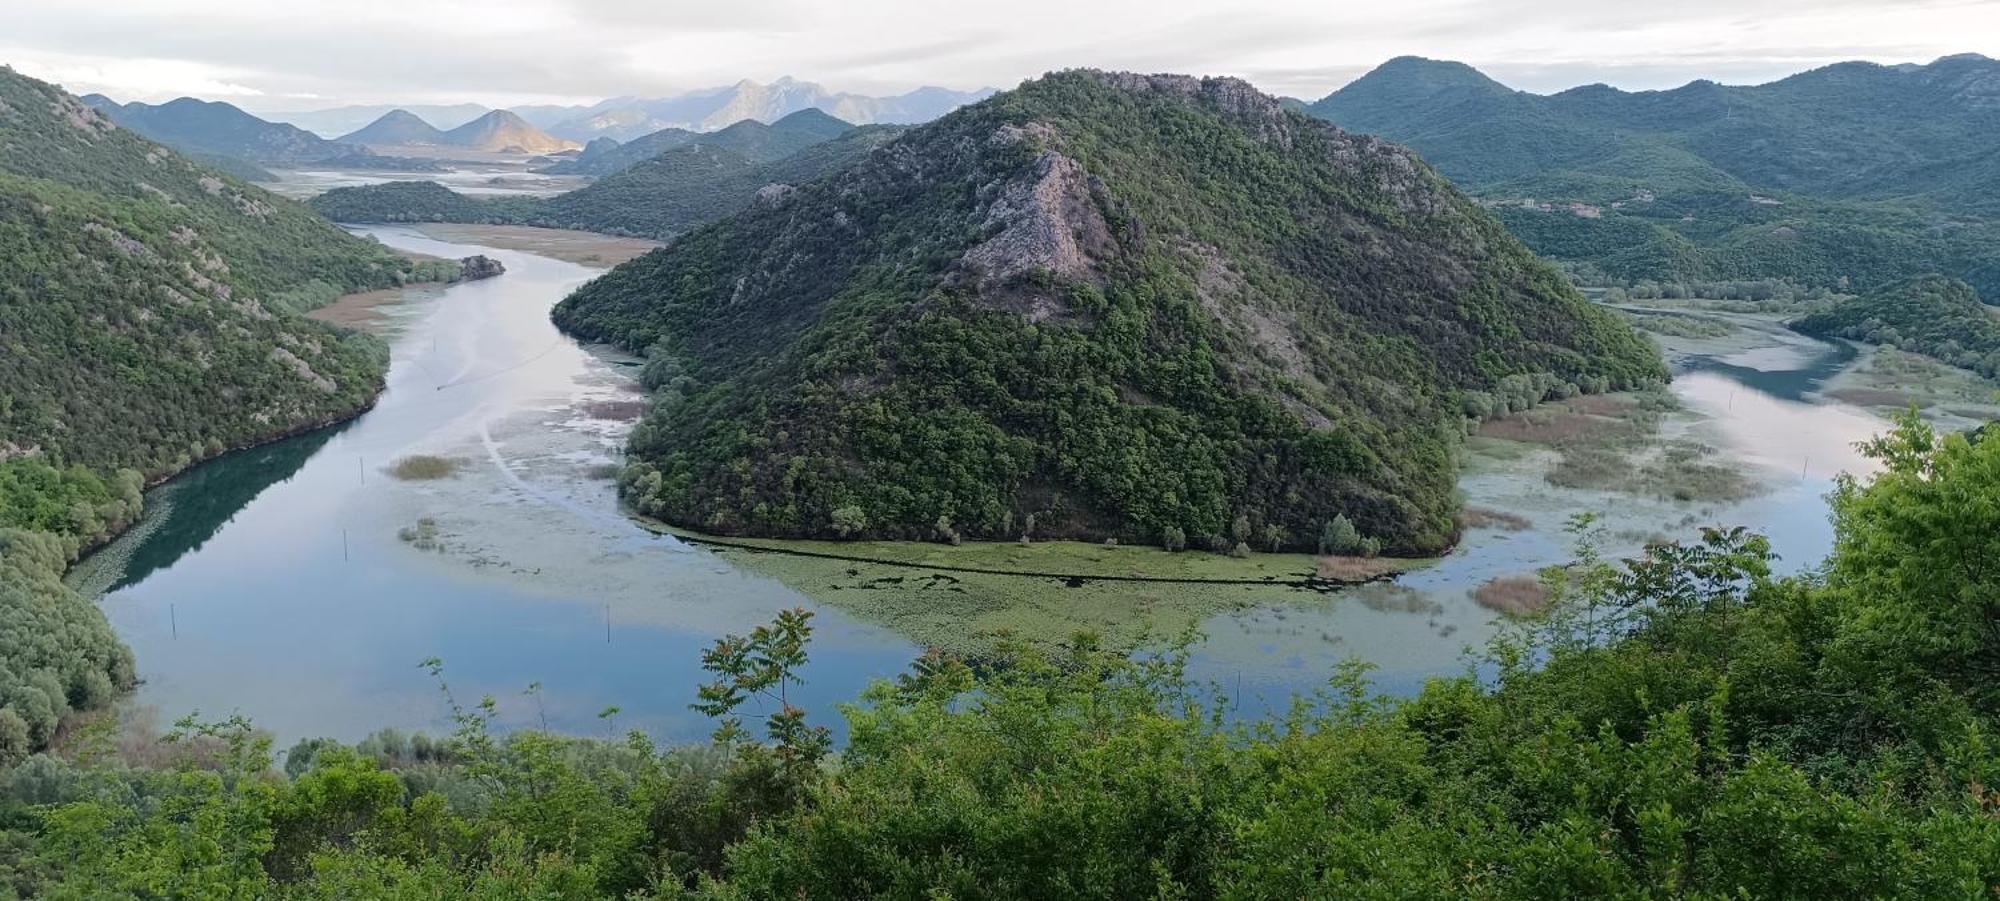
x=626 y=118
x=670 y=182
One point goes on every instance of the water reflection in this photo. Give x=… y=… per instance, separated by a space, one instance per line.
x=184 y=514
x=284 y=584
x=1759 y=408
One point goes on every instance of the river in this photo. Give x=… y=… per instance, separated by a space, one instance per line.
x=283 y=582
x=273 y=582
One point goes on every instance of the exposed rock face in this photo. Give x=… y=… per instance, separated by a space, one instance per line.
x=1048 y=222
x=479 y=266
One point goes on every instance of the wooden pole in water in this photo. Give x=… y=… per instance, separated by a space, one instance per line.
x=173 y=621
x=343 y=546
x=607 y=623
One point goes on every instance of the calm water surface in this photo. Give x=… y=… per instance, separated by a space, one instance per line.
x=278 y=582
x=274 y=583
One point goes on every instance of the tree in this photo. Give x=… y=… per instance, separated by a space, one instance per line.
x=849 y=521
x=1338 y=536
x=762 y=666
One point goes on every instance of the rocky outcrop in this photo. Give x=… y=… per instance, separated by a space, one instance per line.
x=478 y=266
x=1048 y=221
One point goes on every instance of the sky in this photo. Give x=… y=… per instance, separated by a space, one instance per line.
x=277 y=55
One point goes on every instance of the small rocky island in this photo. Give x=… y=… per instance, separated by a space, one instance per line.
x=478 y=266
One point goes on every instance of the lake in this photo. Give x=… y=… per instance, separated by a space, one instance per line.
x=301 y=585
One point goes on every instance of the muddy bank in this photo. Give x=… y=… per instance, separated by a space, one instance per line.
x=582 y=248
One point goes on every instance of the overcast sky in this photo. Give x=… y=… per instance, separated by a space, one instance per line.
x=304 y=54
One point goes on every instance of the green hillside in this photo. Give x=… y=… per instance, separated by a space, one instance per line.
x=750 y=139
x=1933 y=316
x=1101 y=305
x=148 y=319
x=1854 y=175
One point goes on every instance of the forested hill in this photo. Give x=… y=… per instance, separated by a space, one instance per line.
x=660 y=197
x=1156 y=308
x=148 y=319
x=1934 y=316
x=148 y=300
x=1853 y=172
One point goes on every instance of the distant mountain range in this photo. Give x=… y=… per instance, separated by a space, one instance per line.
x=498 y=131
x=716 y=108
x=502 y=131
x=1854 y=174
x=396 y=128
x=341 y=120
x=627 y=118
x=214 y=128
x=753 y=140
x=660 y=194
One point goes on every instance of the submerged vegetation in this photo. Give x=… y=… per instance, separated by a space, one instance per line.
x=424 y=467
x=1682 y=724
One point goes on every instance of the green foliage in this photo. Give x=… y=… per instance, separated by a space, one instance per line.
x=1228 y=346
x=1934 y=316
x=749 y=139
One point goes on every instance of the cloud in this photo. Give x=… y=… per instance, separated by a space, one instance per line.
x=565 y=51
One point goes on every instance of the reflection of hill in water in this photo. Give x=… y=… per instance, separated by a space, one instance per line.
x=199 y=502
x=1792 y=384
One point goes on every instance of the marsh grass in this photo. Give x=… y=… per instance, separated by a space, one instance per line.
x=1513 y=595
x=423 y=467
x=1486 y=518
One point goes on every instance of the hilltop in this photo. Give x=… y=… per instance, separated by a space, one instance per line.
x=1102 y=305
x=396 y=128
x=213 y=127
x=749 y=138
x=1851 y=175
x=502 y=131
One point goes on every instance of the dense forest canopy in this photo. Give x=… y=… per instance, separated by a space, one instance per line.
x=1097 y=306
x=1853 y=175
x=1934 y=316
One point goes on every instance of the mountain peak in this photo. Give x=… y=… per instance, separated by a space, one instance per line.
x=397 y=127
x=501 y=130
x=1433 y=74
